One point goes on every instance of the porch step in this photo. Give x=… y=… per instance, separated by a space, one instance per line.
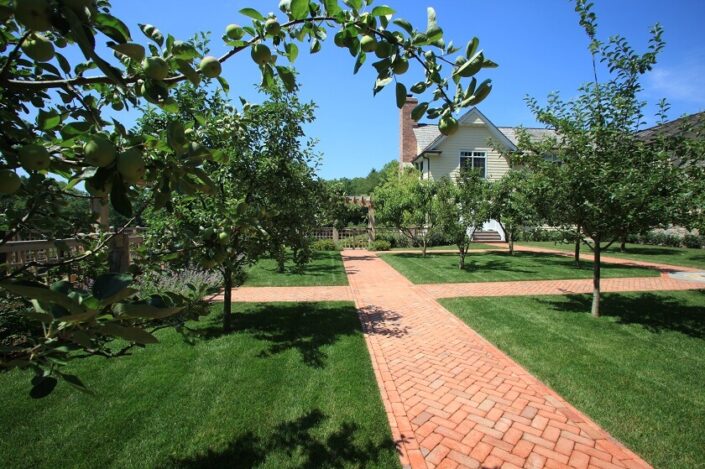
x=487 y=237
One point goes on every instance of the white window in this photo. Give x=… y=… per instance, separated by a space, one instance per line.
x=476 y=160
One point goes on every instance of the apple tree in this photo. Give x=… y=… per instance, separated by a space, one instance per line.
x=608 y=179
x=407 y=202
x=462 y=206
x=64 y=123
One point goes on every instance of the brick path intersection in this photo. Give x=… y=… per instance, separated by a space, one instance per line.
x=454 y=400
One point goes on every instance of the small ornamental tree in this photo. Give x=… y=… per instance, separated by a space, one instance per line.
x=513 y=202
x=608 y=180
x=54 y=126
x=462 y=206
x=407 y=202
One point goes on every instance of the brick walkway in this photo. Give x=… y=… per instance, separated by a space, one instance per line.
x=452 y=398
x=295 y=294
x=556 y=287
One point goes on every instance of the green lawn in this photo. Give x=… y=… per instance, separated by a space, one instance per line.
x=639 y=371
x=500 y=266
x=452 y=247
x=325 y=268
x=293 y=387
x=641 y=252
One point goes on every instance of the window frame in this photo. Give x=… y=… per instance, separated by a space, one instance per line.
x=472 y=155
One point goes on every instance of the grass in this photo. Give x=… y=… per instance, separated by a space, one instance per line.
x=451 y=247
x=642 y=252
x=325 y=269
x=500 y=266
x=292 y=387
x=639 y=371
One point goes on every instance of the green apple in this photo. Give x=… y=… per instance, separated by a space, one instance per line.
x=33 y=14
x=448 y=125
x=234 y=32
x=210 y=67
x=96 y=191
x=272 y=27
x=368 y=43
x=155 y=68
x=261 y=54
x=34 y=157
x=400 y=66
x=10 y=182
x=99 y=151
x=38 y=48
x=130 y=165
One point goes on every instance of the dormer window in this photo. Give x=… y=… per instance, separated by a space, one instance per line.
x=475 y=160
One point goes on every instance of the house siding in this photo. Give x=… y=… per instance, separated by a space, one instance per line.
x=468 y=138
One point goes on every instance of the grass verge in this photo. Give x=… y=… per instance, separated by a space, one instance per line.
x=325 y=269
x=500 y=266
x=641 y=252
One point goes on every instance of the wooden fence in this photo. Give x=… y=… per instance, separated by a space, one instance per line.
x=18 y=253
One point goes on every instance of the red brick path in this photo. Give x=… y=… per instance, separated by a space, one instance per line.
x=452 y=398
x=556 y=287
x=295 y=294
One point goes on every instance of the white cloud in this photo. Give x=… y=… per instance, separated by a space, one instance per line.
x=684 y=83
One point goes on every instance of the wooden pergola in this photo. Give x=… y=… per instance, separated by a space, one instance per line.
x=366 y=202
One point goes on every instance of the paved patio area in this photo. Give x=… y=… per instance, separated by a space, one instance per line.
x=452 y=398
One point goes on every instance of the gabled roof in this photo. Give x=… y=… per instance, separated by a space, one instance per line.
x=428 y=137
x=688 y=124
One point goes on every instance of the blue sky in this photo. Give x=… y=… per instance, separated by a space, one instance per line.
x=538 y=44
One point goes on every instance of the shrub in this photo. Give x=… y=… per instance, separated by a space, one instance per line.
x=693 y=241
x=380 y=245
x=324 y=245
x=395 y=240
x=541 y=234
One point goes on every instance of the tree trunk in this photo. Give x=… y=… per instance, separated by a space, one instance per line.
x=280 y=255
x=461 y=262
x=424 y=245
x=596 y=279
x=228 y=304
x=510 y=240
x=623 y=244
x=578 y=240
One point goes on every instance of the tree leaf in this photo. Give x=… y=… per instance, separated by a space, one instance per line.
x=112 y=27
x=119 y=200
x=405 y=25
x=332 y=7
x=152 y=33
x=299 y=9
x=292 y=52
x=359 y=62
x=401 y=95
x=108 y=285
x=133 y=334
x=130 y=49
x=472 y=47
x=252 y=13
x=42 y=386
x=48 y=120
x=382 y=10
x=288 y=78
x=419 y=111
x=144 y=311
x=40 y=292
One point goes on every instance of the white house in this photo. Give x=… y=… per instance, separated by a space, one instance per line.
x=473 y=145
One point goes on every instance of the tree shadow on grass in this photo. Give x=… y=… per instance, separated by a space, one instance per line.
x=656 y=313
x=300 y=440
x=304 y=327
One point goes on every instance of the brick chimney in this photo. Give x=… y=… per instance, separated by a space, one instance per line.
x=407 y=139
